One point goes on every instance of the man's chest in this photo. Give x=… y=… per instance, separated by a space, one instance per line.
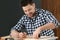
x=34 y=23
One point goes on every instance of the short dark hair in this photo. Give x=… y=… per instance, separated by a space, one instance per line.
x=26 y=2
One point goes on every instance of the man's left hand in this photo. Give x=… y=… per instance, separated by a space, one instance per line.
x=36 y=33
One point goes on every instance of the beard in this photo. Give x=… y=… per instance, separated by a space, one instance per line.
x=31 y=15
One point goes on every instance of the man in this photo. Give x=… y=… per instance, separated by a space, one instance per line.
x=35 y=21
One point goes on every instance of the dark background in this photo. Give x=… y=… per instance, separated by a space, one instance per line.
x=10 y=14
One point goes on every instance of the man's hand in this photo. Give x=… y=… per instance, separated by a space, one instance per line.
x=14 y=34
x=36 y=33
x=22 y=35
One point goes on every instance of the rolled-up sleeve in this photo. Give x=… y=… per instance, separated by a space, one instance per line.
x=50 y=18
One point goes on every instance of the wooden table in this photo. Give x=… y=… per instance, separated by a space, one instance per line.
x=45 y=38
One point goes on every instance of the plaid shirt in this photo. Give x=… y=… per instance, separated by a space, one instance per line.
x=41 y=18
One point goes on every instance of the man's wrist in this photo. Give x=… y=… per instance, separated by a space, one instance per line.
x=40 y=28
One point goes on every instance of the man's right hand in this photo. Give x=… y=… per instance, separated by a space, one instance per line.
x=22 y=35
x=15 y=34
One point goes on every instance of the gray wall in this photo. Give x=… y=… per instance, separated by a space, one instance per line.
x=37 y=3
x=11 y=12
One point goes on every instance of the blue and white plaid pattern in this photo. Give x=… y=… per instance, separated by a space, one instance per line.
x=42 y=17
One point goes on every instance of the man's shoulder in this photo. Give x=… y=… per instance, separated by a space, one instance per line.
x=24 y=17
x=41 y=10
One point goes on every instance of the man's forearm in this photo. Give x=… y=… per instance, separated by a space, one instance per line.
x=47 y=26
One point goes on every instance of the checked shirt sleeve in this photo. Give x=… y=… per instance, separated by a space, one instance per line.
x=50 y=18
x=18 y=26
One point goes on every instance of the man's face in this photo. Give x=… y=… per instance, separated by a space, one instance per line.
x=29 y=10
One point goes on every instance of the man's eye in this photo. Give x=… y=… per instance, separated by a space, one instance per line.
x=29 y=9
